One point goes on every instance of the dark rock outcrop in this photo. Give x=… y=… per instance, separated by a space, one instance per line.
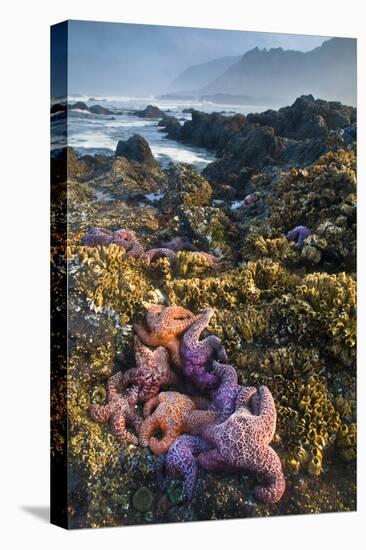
x=256 y=146
x=80 y=105
x=136 y=148
x=211 y=130
x=170 y=125
x=99 y=110
x=151 y=111
x=306 y=118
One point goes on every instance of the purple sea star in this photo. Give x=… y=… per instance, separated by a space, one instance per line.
x=242 y=443
x=97 y=237
x=181 y=460
x=197 y=354
x=299 y=234
x=179 y=243
x=123 y=237
x=155 y=253
x=225 y=396
x=128 y=240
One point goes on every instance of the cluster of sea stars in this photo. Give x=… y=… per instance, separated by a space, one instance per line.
x=212 y=422
x=134 y=249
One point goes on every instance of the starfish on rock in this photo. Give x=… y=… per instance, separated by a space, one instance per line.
x=164 y=325
x=179 y=243
x=156 y=253
x=172 y=414
x=197 y=354
x=123 y=237
x=97 y=237
x=242 y=443
x=152 y=371
x=299 y=234
x=119 y=411
x=128 y=240
x=180 y=460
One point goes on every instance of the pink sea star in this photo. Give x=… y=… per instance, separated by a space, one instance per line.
x=152 y=371
x=128 y=240
x=123 y=237
x=119 y=410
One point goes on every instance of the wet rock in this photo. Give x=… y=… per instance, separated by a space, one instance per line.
x=306 y=118
x=256 y=146
x=136 y=148
x=171 y=126
x=151 y=111
x=211 y=130
x=79 y=105
x=99 y=110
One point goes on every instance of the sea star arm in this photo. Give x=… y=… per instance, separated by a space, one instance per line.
x=145 y=335
x=293 y=235
x=151 y=425
x=212 y=461
x=274 y=481
x=148 y=427
x=160 y=446
x=118 y=428
x=192 y=336
x=114 y=385
x=267 y=413
x=226 y=373
x=197 y=419
x=136 y=250
x=155 y=253
x=100 y=413
x=128 y=378
x=244 y=397
x=184 y=463
x=149 y=390
x=174 y=347
x=134 y=419
x=176 y=320
x=150 y=405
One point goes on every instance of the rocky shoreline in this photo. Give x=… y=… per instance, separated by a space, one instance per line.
x=283 y=308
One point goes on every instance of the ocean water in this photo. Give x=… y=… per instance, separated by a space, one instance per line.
x=99 y=134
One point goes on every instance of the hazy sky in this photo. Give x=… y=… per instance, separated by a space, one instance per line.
x=125 y=59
